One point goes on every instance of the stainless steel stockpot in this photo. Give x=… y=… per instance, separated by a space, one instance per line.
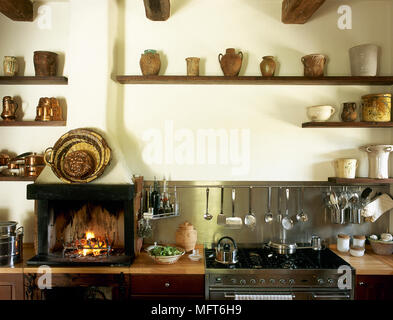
x=8 y=227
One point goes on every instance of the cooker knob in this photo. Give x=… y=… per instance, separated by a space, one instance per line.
x=282 y=281
x=330 y=281
x=252 y=281
x=320 y=281
x=291 y=281
x=272 y=281
x=242 y=281
x=233 y=280
x=262 y=281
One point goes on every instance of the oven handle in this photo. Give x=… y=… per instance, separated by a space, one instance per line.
x=330 y=296
x=232 y=296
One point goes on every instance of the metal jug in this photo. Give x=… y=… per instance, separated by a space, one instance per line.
x=9 y=109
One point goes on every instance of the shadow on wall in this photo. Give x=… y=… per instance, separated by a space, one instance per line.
x=178 y=5
x=4 y=214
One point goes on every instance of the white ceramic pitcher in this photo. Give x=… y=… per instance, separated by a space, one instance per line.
x=378 y=160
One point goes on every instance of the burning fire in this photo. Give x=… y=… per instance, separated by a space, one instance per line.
x=92 y=245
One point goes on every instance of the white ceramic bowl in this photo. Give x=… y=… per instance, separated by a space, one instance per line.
x=356 y=252
x=320 y=113
x=167 y=259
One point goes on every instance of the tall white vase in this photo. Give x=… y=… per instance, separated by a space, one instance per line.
x=378 y=160
x=364 y=60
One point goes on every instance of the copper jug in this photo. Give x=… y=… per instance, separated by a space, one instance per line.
x=44 y=110
x=9 y=109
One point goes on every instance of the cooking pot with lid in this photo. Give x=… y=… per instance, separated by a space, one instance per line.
x=226 y=253
x=11 y=248
x=8 y=227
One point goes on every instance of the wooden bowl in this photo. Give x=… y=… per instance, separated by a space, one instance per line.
x=380 y=247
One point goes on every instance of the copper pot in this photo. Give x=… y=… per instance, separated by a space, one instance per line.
x=9 y=109
x=34 y=160
x=44 y=110
x=4 y=159
x=45 y=63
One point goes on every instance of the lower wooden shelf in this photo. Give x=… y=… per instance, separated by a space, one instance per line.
x=360 y=180
x=361 y=124
x=17 y=178
x=32 y=123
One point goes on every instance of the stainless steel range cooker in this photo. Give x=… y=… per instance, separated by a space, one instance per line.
x=262 y=274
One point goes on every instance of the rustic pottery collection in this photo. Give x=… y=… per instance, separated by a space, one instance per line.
x=231 y=62
x=10 y=66
x=268 y=66
x=9 y=109
x=186 y=236
x=314 y=65
x=150 y=63
x=45 y=63
x=377 y=107
x=346 y=168
x=349 y=113
x=320 y=113
x=192 y=66
x=378 y=160
x=364 y=60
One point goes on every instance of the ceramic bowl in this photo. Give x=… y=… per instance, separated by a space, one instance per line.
x=381 y=247
x=320 y=113
x=167 y=259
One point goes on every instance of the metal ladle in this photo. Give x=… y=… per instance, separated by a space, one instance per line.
x=287 y=222
x=207 y=215
x=249 y=219
x=301 y=216
x=269 y=214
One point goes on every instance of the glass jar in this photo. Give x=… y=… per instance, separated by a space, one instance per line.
x=343 y=242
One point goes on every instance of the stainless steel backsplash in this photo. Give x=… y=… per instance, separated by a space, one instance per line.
x=192 y=204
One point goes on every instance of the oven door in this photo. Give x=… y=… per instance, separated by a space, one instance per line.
x=228 y=294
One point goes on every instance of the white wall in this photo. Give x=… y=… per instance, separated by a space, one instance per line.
x=102 y=38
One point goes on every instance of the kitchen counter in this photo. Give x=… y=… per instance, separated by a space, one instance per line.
x=142 y=264
x=369 y=264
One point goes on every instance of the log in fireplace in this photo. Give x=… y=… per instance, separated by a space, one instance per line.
x=84 y=225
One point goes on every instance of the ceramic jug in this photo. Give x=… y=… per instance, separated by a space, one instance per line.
x=150 y=63
x=231 y=62
x=314 y=65
x=268 y=66
x=378 y=160
x=192 y=66
x=9 y=109
x=349 y=112
x=364 y=60
x=186 y=236
x=10 y=66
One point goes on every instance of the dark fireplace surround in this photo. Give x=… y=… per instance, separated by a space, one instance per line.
x=68 y=208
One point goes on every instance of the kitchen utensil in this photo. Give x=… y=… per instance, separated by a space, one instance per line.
x=75 y=140
x=287 y=222
x=320 y=113
x=249 y=219
x=283 y=248
x=8 y=228
x=226 y=253
x=269 y=214
x=234 y=222
x=354 y=207
x=316 y=243
x=301 y=216
x=207 y=215
x=221 y=219
x=11 y=247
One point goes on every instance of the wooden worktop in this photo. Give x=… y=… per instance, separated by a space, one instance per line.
x=369 y=264
x=142 y=264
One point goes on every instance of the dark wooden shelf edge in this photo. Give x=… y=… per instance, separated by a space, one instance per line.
x=255 y=80
x=328 y=124
x=360 y=180
x=28 y=179
x=33 y=123
x=19 y=80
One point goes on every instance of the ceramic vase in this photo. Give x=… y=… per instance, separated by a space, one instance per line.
x=349 y=113
x=377 y=107
x=378 y=160
x=346 y=168
x=192 y=66
x=268 y=66
x=10 y=66
x=150 y=63
x=314 y=65
x=231 y=62
x=186 y=236
x=364 y=60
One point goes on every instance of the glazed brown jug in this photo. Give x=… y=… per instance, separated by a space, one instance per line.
x=268 y=66
x=150 y=63
x=314 y=65
x=9 y=109
x=231 y=62
x=349 y=112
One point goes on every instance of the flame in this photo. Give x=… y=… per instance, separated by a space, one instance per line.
x=92 y=245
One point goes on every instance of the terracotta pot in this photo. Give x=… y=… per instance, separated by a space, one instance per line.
x=349 y=113
x=268 y=66
x=150 y=63
x=377 y=107
x=10 y=65
x=231 y=62
x=364 y=60
x=186 y=236
x=193 y=66
x=45 y=63
x=314 y=65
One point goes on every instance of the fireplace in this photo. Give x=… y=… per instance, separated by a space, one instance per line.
x=83 y=225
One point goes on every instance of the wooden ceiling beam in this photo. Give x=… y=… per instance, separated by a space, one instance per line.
x=17 y=10
x=299 y=11
x=157 y=10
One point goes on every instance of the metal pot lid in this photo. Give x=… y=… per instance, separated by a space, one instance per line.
x=8 y=223
x=276 y=245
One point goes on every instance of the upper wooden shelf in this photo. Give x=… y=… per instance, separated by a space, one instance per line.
x=32 y=123
x=347 y=125
x=257 y=80
x=17 y=178
x=360 y=180
x=17 y=80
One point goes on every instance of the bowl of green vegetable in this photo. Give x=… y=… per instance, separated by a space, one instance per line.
x=165 y=254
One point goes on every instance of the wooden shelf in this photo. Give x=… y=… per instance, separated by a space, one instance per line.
x=257 y=80
x=33 y=80
x=360 y=180
x=347 y=125
x=16 y=178
x=32 y=123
